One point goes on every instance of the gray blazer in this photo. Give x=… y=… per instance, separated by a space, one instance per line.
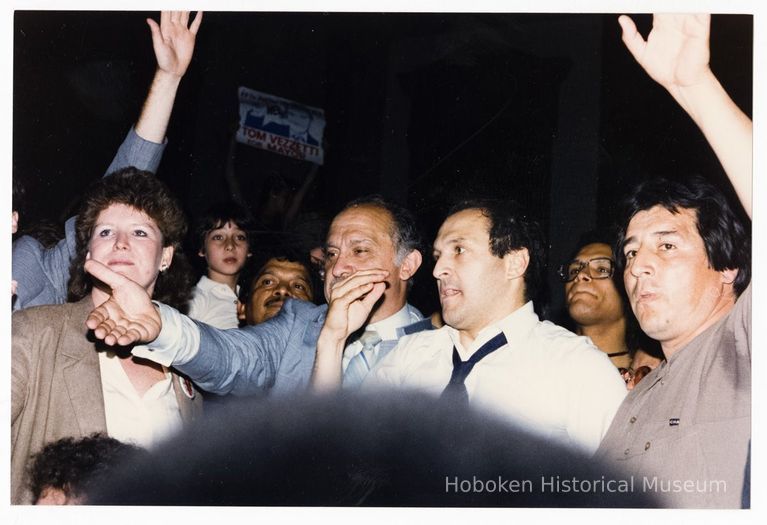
x=56 y=385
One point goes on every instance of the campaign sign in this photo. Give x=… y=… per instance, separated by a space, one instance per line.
x=281 y=125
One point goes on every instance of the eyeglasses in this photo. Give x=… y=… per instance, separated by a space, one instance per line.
x=598 y=268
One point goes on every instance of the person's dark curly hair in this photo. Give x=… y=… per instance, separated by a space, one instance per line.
x=144 y=192
x=510 y=229
x=75 y=465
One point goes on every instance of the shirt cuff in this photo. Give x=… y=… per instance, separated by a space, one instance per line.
x=177 y=343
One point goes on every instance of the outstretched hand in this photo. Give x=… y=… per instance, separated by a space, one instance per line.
x=676 y=52
x=128 y=316
x=173 y=41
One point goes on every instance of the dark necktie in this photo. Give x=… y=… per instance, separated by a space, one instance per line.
x=455 y=391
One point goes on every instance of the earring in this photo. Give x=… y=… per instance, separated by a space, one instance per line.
x=163 y=267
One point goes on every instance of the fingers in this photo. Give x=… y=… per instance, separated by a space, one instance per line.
x=165 y=23
x=127 y=336
x=112 y=329
x=357 y=279
x=349 y=294
x=631 y=37
x=95 y=318
x=104 y=274
x=174 y=19
x=357 y=286
x=155 y=29
x=104 y=329
x=103 y=325
x=703 y=21
x=370 y=299
x=196 y=23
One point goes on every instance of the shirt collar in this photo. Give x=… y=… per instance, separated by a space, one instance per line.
x=387 y=328
x=207 y=284
x=513 y=325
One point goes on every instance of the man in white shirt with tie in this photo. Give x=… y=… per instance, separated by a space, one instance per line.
x=494 y=352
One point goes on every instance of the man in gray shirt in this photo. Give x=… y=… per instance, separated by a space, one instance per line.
x=683 y=433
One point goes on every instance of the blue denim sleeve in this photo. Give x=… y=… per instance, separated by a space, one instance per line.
x=135 y=151
x=246 y=361
x=42 y=273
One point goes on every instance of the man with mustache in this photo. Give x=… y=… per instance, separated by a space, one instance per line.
x=369 y=236
x=281 y=277
x=494 y=352
x=687 y=255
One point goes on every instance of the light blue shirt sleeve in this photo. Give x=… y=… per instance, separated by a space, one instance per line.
x=240 y=361
x=177 y=343
x=135 y=151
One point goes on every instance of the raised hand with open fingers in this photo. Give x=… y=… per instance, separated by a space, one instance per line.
x=173 y=40
x=128 y=316
x=676 y=52
x=676 y=55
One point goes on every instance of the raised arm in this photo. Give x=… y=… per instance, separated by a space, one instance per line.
x=173 y=44
x=42 y=274
x=676 y=55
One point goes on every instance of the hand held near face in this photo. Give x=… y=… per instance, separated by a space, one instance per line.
x=352 y=300
x=350 y=305
x=128 y=316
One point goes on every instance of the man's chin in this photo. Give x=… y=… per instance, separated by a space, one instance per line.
x=273 y=309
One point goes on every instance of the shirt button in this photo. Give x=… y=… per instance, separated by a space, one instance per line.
x=633 y=419
x=647 y=445
x=626 y=452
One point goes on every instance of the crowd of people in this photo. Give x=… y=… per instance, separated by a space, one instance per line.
x=114 y=343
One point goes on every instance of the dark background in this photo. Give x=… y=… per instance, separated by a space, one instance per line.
x=549 y=109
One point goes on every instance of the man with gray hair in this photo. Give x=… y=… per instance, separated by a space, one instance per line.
x=370 y=236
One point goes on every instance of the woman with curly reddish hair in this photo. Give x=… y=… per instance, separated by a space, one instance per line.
x=64 y=384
